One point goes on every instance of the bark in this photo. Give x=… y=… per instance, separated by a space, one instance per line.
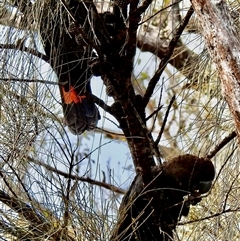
x=223 y=45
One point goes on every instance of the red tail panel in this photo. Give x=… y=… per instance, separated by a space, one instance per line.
x=71 y=96
x=80 y=112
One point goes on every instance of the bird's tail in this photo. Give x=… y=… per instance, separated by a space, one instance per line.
x=80 y=112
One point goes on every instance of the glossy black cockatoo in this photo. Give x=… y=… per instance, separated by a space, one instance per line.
x=79 y=61
x=70 y=58
x=151 y=212
x=80 y=111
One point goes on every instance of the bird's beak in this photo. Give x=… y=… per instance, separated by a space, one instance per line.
x=204 y=186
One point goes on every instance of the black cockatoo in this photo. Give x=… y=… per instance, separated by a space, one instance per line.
x=70 y=58
x=151 y=212
x=80 y=111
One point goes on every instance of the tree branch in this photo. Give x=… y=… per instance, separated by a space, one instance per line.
x=148 y=40
x=75 y=177
x=25 y=49
x=102 y=104
x=210 y=216
x=166 y=58
x=31 y=81
x=223 y=143
x=164 y=121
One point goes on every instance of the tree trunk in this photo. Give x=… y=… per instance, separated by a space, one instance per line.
x=223 y=44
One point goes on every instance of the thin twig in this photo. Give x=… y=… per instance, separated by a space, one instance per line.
x=24 y=209
x=141 y=8
x=164 y=120
x=154 y=112
x=230 y=189
x=111 y=134
x=25 y=49
x=209 y=217
x=66 y=197
x=83 y=179
x=112 y=122
x=32 y=81
x=37 y=219
x=223 y=166
x=144 y=6
x=16 y=231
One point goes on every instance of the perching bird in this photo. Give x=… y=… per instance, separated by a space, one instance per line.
x=151 y=212
x=80 y=111
x=70 y=58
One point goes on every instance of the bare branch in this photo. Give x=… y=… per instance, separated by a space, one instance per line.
x=149 y=40
x=134 y=18
x=102 y=104
x=164 y=121
x=166 y=58
x=229 y=210
x=153 y=15
x=223 y=143
x=25 y=49
x=24 y=209
x=75 y=177
x=31 y=81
